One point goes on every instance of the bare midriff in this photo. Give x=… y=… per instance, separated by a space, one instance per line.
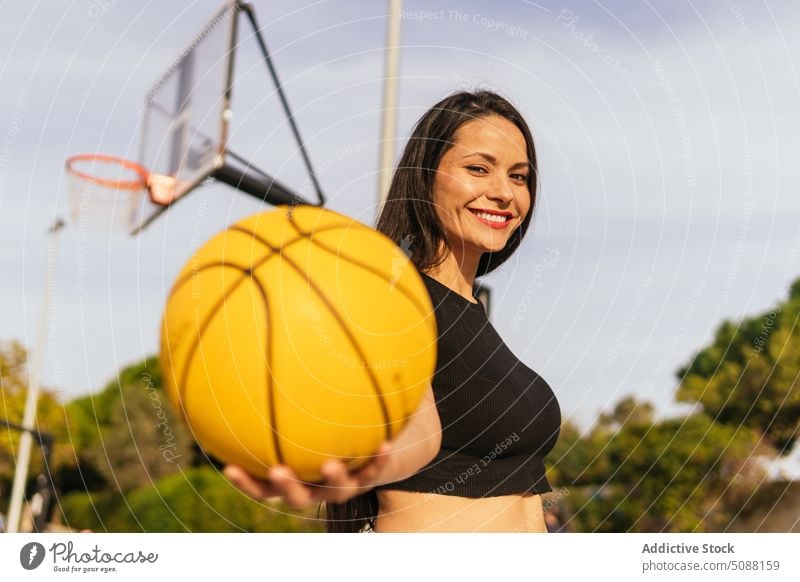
x=407 y=511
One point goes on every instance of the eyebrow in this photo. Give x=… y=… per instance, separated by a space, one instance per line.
x=490 y=158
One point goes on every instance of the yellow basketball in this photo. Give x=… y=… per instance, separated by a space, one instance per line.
x=296 y=336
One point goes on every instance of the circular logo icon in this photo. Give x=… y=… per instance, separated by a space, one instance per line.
x=31 y=555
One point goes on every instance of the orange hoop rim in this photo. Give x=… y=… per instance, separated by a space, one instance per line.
x=69 y=165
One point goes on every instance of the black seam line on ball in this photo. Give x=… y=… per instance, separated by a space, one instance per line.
x=201 y=330
x=179 y=283
x=186 y=278
x=181 y=280
x=369 y=268
x=358 y=262
x=427 y=315
x=345 y=329
x=270 y=388
x=216 y=308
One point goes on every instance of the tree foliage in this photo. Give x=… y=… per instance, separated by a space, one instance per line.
x=749 y=374
x=631 y=473
x=128 y=432
x=50 y=418
x=197 y=500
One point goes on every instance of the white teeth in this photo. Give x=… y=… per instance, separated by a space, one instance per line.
x=491 y=217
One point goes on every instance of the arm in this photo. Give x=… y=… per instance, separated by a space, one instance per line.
x=416 y=445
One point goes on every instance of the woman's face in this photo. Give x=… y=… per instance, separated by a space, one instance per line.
x=481 y=186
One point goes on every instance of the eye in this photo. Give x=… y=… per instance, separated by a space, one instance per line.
x=520 y=177
x=476 y=168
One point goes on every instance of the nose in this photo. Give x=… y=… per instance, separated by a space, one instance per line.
x=500 y=191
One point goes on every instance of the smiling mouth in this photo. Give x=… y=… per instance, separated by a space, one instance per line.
x=491 y=217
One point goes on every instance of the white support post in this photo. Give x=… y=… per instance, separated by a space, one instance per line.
x=32 y=399
x=391 y=72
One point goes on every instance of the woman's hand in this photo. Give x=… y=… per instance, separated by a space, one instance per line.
x=338 y=483
x=409 y=451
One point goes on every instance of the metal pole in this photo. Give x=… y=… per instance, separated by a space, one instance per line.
x=250 y=11
x=392 y=70
x=32 y=399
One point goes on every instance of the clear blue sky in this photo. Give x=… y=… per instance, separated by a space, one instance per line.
x=667 y=133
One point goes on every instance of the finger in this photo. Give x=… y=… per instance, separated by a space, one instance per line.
x=277 y=483
x=376 y=464
x=335 y=494
x=299 y=496
x=282 y=482
x=334 y=477
x=295 y=492
x=253 y=487
x=334 y=473
x=337 y=484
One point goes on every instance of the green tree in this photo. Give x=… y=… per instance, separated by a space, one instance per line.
x=50 y=418
x=153 y=477
x=197 y=500
x=129 y=432
x=631 y=473
x=627 y=411
x=748 y=375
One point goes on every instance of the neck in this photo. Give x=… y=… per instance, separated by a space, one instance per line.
x=458 y=271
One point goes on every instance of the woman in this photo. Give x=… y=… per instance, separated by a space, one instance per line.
x=470 y=458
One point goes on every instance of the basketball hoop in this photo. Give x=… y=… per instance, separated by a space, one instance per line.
x=105 y=192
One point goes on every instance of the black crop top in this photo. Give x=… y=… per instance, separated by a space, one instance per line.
x=499 y=418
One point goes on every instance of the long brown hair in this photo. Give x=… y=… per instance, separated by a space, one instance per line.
x=409 y=218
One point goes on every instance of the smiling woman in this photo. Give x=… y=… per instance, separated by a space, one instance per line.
x=450 y=167
x=471 y=456
x=464 y=194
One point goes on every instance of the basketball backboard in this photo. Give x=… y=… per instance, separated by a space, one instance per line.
x=185 y=115
x=186 y=123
